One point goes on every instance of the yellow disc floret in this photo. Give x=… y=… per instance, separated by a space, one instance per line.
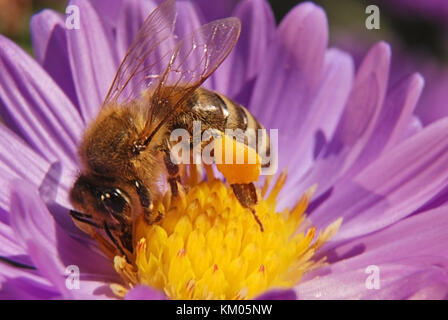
x=209 y=247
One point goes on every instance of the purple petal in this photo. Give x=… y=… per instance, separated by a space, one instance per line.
x=42 y=26
x=50 y=48
x=290 y=76
x=392 y=187
x=420 y=235
x=412 y=257
x=397 y=281
x=49 y=247
x=17 y=160
x=10 y=249
x=248 y=56
x=393 y=122
x=432 y=105
x=108 y=10
x=35 y=228
x=92 y=59
x=319 y=125
x=131 y=17
x=19 y=284
x=306 y=23
x=431 y=284
x=414 y=127
x=35 y=107
x=188 y=18
x=94 y=288
x=357 y=122
x=278 y=294
x=145 y=293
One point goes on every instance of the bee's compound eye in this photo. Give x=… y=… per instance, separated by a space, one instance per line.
x=114 y=200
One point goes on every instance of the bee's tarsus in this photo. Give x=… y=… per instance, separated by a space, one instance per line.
x=173 y=174
x=257 y=219
x=246 y=194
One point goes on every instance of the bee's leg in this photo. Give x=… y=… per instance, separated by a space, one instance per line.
x=246 y=194
x=173 y=174
x=145 y=201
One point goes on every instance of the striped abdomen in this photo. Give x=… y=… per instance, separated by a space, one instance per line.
x=216 y=111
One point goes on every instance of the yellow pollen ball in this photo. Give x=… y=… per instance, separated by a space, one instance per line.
x=209 y=247
x=236 y=161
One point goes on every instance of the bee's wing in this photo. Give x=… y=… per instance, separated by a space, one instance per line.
x=170 y=70
x=143 y=56
x=189 y=64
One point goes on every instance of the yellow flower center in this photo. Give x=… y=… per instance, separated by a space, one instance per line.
x=209 y=247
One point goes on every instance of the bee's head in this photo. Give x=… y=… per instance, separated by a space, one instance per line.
x=107 y=145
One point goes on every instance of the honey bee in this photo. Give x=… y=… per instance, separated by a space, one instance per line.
x=156 y=89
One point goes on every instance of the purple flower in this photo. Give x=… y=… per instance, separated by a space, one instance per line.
x=350 y=132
